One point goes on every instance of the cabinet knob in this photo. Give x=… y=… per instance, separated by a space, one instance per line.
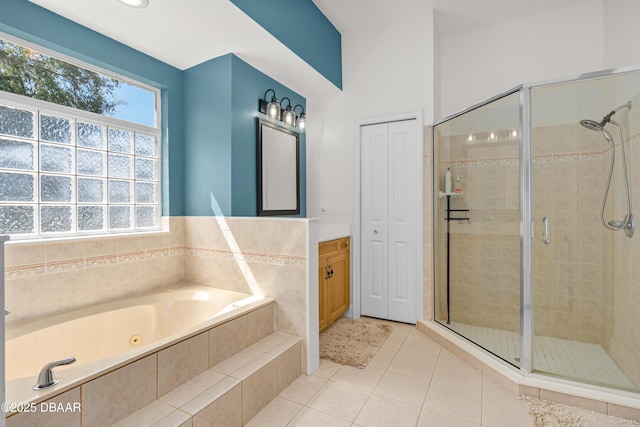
x=344 y=245
x=375 y=231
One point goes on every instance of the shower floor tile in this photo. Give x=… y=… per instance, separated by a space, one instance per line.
x=556 y=356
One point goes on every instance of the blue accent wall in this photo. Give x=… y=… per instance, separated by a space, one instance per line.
x=208 y=138
x=302 y=27
x=208 y=112
x=221 y=105
x=35 y=24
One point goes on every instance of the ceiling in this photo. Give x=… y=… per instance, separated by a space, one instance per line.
x=452 y=16
x=188 y=32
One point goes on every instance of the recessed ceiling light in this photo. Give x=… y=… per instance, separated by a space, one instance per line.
x=135 y=3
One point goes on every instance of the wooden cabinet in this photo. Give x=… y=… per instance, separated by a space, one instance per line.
x=333 y=279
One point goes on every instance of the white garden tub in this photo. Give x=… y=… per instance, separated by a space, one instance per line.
x=106 y=336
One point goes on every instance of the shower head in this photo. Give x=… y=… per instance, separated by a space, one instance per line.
x=591 y=125
x=599 y=127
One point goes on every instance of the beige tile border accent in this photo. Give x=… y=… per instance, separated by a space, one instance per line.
x=39 y=269
x=265 y=258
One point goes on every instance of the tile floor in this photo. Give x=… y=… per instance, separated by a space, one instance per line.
x=412 y=381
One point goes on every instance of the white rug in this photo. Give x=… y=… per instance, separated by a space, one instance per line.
x=552 y=414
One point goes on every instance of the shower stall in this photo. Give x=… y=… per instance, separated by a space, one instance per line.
x=535 y=254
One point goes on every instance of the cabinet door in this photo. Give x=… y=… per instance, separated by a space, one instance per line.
x=338 y=286
x=322 y=292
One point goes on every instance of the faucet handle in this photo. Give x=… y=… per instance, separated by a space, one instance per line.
x=46 y=378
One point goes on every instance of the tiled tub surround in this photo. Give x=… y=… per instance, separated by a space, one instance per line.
x=267 y=255
x=226 y=369
x=44 y=278
x=107 y=335
x=245 y=254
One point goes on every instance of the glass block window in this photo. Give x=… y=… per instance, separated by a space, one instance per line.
x=64 y=172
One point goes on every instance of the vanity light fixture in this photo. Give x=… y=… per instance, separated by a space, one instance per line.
x=288 y=116
x=302 y=118
x=283 y=112
x=270 y=108
x=136 y=3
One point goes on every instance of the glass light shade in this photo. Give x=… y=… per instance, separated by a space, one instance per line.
x=302 y=122
x=289 y=117
x=273 y=109
x=136 y=3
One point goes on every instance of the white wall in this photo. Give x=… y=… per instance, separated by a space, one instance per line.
x=387 y=68
x=480 y=63
x=402 y=64
x=621 y=47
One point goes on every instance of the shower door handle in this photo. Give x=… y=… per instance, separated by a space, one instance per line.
x=545 y=230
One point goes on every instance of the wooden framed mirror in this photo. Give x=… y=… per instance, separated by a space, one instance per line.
x=278 y=170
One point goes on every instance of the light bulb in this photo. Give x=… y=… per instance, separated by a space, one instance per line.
x=289 y=117
x=273 y=110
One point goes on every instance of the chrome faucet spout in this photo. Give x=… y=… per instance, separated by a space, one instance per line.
x=46 y=378
x=6 y=311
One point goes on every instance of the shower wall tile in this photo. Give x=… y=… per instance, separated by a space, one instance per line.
x=621 y=290
x=485 y=254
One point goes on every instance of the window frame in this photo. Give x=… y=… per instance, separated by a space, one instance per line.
x=48 y=108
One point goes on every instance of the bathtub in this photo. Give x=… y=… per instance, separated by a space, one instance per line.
x=106 y=336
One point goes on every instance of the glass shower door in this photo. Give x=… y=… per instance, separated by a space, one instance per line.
x=477 y=229
x=579 y=272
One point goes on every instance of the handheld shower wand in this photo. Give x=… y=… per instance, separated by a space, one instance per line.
x=628 y=223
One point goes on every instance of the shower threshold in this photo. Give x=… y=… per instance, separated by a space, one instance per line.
x=552 y=356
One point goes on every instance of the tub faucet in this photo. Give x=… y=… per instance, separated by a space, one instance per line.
x=46 y=378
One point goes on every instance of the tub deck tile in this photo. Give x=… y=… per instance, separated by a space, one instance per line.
x=176 y=418
x=112 y=397
x=188 y=391
x=253 y=366
x=237 y=361
x=284 y=345
x=255 y=376
x=270 y=341
x=182 y=361
x=148 y=415
x=210 y=396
